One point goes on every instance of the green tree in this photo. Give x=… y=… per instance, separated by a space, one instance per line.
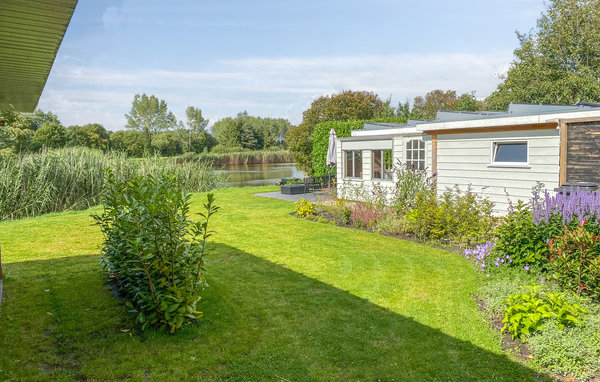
x=436 y=100
x=130 y=142
x=50 y=134
x=92 y=135
x=248 y=132
x=166 y=144
x=149 y=115
x=556 y=62
x=345 y=106
x=194 y=138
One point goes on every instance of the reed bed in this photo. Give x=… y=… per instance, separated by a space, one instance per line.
x=240 y=158
x=73 y=178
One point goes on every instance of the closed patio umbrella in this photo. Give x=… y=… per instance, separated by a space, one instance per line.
x=331 y=153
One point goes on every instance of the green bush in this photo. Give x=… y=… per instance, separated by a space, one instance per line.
x=461 y=216
x=153 y=251
x=305 y=208
x=502 y=283
x=575 y=261
x=528 y=312
x=518 y=237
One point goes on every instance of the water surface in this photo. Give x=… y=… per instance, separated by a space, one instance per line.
x=258 y=174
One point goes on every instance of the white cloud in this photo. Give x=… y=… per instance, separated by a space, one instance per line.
x=272 y=87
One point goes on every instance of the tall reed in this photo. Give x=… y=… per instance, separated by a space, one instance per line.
x=72 y=179
x=240 y=158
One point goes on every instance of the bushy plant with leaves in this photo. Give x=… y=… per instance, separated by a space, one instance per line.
x=519 y=239
x=528 y=312
x=575 y=260
x=410 y=182
x=305 y=208
x=460 y=216
x=153 y=251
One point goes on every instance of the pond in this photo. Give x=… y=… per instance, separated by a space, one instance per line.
x=259 y=174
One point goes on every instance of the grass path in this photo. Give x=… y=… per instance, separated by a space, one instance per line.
x=288 y=300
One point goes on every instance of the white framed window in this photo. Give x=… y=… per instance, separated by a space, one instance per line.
x=381 y=164
x=510 y=153
x=415 y=154
x=353 y=164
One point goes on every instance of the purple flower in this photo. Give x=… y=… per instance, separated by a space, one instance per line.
x=497 y=264
x=502 y=260
x=507 y=257
x=526 y=267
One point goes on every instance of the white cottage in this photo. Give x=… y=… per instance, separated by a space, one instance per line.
x=494 y=152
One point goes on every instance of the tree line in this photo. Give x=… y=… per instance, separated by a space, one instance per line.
x=151 y=129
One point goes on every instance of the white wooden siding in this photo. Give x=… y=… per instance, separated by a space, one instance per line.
x=465 y=159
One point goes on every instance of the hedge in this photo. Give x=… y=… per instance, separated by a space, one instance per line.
x=320 y=138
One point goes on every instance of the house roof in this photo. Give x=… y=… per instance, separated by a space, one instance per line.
x=30 y=34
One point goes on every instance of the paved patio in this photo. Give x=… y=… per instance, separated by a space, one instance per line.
x=319 y=196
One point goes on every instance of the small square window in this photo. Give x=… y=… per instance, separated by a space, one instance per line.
x=509 y=152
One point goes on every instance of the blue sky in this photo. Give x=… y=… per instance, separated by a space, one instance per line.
x=273 y=58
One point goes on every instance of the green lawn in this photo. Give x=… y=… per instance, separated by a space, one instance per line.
x=288 y=300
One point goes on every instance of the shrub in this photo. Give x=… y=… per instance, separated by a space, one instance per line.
x=305 y=208
x=518 y=238
x=528 y=312
x=410 y=181
x=364 y=215
x=503 y=282
x=460 y=216
x=153 y=251
x=575 y=260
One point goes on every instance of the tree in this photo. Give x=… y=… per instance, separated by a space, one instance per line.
x=194 y=138
x=92 y=135
x=556 y=62
x=130 y=142
x=436 y=100
x=345 y=106
x=248 y=132
x=149 y=115
x=51 y=134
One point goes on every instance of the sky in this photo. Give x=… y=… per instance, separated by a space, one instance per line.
x=272 y=58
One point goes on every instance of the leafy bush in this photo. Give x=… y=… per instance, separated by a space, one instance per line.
x=569 y=352
x=519 y=239
x=305 y=208
x=153 y=251
x=575 y=260
x=528 y=312
x=460 y=216
x=364 y=215
x=410 y=181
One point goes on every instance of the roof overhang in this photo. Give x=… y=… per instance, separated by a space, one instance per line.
x=539 y=121
x=30 y=34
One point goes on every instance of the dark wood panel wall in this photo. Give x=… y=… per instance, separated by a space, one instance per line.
x=583 y=152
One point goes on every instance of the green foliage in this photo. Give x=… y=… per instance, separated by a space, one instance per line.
x=410 y=182
x=528 y=312
x=575 y=261
x=50 y=135
x=58 y=180
x=573 y=352
x=238 y=158
x=436 y=100
x=305 y=208
x=149 y=115
x=345 y=106
x=250 y=133
x=130 y=142
x=92 y=135
x=166 y=144
x=503 y=282
x=320 y=142
x=558 y=62
x=460 y=216
x=194 y=139
x=518 y=237
x=153 y=251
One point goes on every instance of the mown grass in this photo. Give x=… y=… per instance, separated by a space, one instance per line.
x=288 y=299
